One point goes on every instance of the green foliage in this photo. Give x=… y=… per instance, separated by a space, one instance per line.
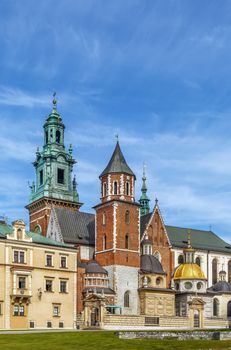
x=89 y=340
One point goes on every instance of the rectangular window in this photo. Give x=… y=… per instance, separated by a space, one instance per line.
x=61 y=324
x=56 y=310
x=49 y=324
x=49 y=260
x=63 y=262
x=31 y=324
x=22 y=282
x=48 y=286
x=18 y=310
x=41 y=177
x=63 y=286
x=60 y=176
x=19 y=256
x=1 y=308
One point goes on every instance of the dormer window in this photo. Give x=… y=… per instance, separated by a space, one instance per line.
x=19 y=234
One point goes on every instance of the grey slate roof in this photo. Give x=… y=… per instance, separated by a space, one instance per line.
x=98 y=290
x=221 y=286
x=94 y=267
x=76 y=227
x=150 y=264
x=117 y=163
x=144 y=219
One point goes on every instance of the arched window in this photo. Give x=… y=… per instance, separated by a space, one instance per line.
x=157 y=255
x=229 y=309
x=104 y=189
x=127 y=241
x=126 y=299
x=214 y=271
x=127 y=188
x=38 y=229
x=19 y=234
x=215 y=307
x=198 y=261
x=127 y=217
x=57 y=136
x=104 y=218
x=104 y=242
x=229 y=271
x=180 y=259
x=159 y=281
x=115 y=187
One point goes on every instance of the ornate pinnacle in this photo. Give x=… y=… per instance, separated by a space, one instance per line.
x=54 y=101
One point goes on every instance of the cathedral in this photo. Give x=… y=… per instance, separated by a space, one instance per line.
x=133 y=270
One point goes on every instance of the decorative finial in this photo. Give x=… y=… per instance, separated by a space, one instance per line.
x=70 y=150
x=54 y=101
x=156 y=201
x=144 y=170
x=117 y=137
x=189 y=238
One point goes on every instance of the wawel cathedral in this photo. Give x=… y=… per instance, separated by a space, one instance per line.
x=122 y=267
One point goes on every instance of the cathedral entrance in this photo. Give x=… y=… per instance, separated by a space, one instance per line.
x=94 y=310
x=94 y=317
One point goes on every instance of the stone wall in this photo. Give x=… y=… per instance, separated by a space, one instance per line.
x=205 y=335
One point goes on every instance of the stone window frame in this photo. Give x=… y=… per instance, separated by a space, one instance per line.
x=49 y=290
x=52 y=260
x=56 y=309
x=19 y=256
x=61 y=264
x=61 y=284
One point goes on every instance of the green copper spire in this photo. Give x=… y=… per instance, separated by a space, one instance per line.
x=53 y=164
x=144 y=200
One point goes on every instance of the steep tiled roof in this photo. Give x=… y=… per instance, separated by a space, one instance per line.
x=75 y=226
x=144 y=219
x=117 y=163
x=36 y=238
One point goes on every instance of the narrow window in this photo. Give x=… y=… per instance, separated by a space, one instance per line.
x=46 y=137
x=198 y=261
x=21 y=257
x=22 y=282
x=104 y=218
x=229 y=271
x=215 y=307
x=48 y=286
x=127 y=217
x=127 y=188
x=41 y=177
x=115 y=187
x=57 y=136
x=63 y=286
x=104 y=242
x=49 y=261
x=49 y=324
x=180 y=259
x=60 y=176
x=104 y=189
x=126 y=299
x=214 y=271
x=127 y=241
x=63 y=262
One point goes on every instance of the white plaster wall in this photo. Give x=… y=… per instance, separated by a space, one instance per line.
x=121 y=279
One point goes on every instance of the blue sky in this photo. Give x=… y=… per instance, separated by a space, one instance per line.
x=155 y=72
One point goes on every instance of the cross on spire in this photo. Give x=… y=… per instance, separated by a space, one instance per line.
x=54 y=101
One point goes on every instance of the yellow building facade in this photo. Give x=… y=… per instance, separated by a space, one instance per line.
x=37 y=280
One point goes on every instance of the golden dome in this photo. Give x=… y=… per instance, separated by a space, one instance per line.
x=189 y=271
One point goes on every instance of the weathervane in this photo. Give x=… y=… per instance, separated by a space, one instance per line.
x=117 y=137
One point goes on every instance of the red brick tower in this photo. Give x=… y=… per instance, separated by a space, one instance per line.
x=118 y=230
